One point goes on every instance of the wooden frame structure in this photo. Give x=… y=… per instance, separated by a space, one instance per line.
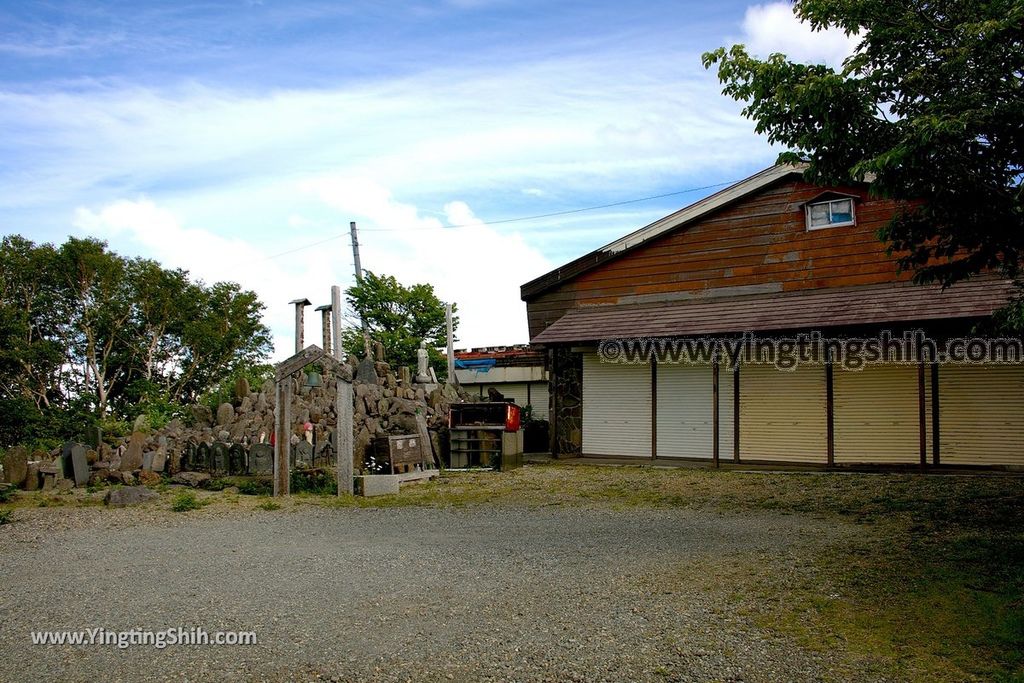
x=282 y=419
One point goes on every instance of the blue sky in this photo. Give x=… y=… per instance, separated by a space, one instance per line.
x=216 y=136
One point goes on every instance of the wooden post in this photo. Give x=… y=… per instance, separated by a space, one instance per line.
x=935 y=413
x=336 y=321
x=830 y=410
x=654 y=407
x=343 y=436
x=282 y=436
x=922 y=426
x=715 y=421
x=736 y=413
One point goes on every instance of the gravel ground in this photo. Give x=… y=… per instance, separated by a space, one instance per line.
x=503 y=594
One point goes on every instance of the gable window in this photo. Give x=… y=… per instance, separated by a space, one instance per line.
x=830 y=214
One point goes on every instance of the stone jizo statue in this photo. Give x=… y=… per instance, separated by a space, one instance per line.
x=422 y=367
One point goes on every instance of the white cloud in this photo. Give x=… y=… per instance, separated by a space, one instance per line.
x=157 y=232
x=477 y=267
x=774 y=27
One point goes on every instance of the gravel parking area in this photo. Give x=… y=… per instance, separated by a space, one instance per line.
x=530 y=594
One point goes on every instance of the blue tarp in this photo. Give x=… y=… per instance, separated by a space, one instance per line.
x=480 y=365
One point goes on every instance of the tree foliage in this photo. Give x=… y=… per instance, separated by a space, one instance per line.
x=928 y=108
x=86 y=333
x=398 y=317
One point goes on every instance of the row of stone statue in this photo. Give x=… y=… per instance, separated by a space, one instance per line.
x=235 y=459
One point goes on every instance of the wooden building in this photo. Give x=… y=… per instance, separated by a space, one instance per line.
x=770 y=256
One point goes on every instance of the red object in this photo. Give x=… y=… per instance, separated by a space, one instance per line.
x=512 y=418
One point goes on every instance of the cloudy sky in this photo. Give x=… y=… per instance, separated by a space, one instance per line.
x=238 y=139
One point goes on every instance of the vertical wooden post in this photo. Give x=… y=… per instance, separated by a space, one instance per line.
x=654 y=407
x=343 y=436
x=935 y=413
x=715 y=422
x=830 y=410
x=736 y=413
x=283 y=436
x=553 y=403
x=336 y=321
x=921 y=414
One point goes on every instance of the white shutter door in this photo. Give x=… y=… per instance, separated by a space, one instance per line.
x=539 y=399
x=512 y=391
x=782 y=414
x=685 y=412
x=876 y=415
x=981 y=414
x=616 y=408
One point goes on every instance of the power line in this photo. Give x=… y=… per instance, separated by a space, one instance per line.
x=505 y=221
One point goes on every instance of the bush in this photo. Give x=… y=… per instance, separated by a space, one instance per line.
x=6 y=516
x=185 y=501
x=314 y=481
x=256 y=487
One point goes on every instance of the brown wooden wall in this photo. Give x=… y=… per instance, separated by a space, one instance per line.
x=759 y=244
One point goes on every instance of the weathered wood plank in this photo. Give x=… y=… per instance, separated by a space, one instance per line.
x=282 y=437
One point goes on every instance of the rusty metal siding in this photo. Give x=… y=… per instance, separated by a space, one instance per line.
x=876 y=415
x=782 y=414
x=617 y=408
x=685 y=412
x=981 y=414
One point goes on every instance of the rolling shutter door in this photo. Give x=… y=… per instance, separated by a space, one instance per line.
x=981 y=414
x=512 y=391
x=616 y=408
x=539 y=399
x=685 y=417
x=876 y=415
x=782 y=414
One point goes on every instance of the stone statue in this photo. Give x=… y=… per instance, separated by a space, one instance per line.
x=422 y=371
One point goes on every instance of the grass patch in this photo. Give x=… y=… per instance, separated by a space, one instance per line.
x=269 y=505
x=6 y=516
x=185 y=501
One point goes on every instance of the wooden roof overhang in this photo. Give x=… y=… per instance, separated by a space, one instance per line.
x=806 y=309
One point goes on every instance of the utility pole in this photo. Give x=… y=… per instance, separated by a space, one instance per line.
x=359 y=281
x=355 y=252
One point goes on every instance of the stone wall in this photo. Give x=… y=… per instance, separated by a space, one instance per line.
x=383 y=404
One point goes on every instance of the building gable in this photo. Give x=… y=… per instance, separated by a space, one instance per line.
x=756 y=243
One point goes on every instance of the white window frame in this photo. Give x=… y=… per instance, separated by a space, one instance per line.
x=829 y=203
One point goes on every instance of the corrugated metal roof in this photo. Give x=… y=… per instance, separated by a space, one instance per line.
x=821 y=308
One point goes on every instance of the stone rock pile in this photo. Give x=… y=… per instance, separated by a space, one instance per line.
x=383 y=404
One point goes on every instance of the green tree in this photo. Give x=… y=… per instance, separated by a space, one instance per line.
x=86 y=334
x=928 y=108
x=221 y=332
x=398 y=317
